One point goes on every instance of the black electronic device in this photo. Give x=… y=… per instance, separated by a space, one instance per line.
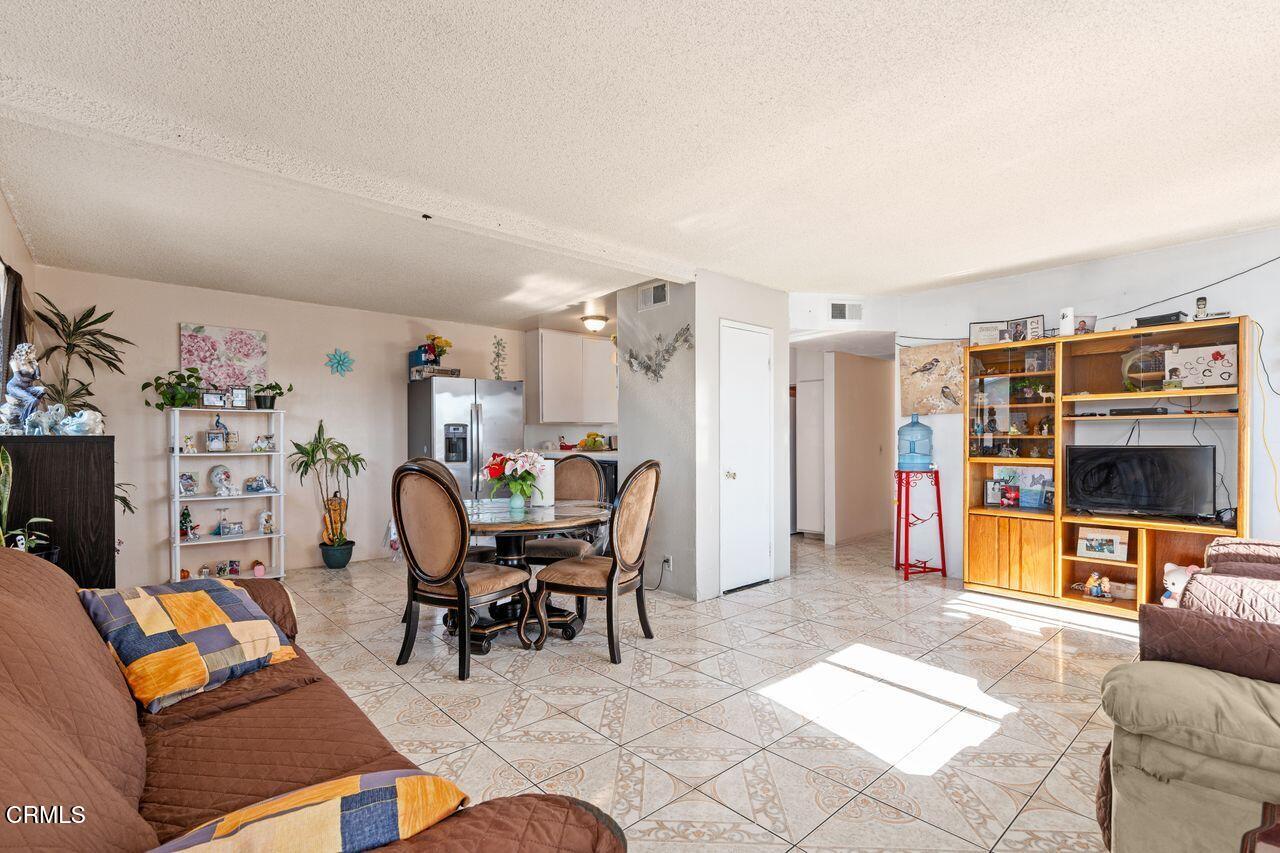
x=1141 y=410
x=1163 y=319
x=1154 y=480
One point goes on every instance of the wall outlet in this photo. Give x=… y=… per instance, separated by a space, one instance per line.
x=666 y=563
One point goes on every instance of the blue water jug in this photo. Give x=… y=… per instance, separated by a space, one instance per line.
x=915 y=446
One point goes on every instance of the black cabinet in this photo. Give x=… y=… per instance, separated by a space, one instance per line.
x=70 y=479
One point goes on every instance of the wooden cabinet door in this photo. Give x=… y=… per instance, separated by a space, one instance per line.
x=1031 y=556
x=560 y=377
x=599 y=382
x=983 y=564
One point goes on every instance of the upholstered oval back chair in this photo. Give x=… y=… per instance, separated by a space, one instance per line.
x=615 y=575
x=434 y=535
x=578 y=478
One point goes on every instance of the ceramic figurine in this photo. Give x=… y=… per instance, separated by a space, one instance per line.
x=83 y=422
x=1046 y=396
x=260 y=483
x=188 y=443
x=266 y=522
x=1007 y=451
x=184 y=575
x=186 y=529
x=264 y=443
x=1034 y=453
x=23 y=391
x=336 y=513
x=258 y=569
x=220 y=479
x=233 y=441
x=46 y=422
x=204 y=571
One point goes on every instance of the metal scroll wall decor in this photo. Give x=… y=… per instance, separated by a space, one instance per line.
x=655 y=364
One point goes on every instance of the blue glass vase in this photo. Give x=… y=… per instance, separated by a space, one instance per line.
x=915 y=446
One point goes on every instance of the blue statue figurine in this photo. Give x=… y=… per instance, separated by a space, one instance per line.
x=23 y=392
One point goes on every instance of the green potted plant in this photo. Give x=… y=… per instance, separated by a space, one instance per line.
x=82 y=339
x=264 y=396
x=333 y=465
x=177 y=389
x=25 y=538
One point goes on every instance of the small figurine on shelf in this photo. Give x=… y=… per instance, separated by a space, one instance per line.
x=258 y=484
x=233 y=568
x=266 y=522
x=233 y=441
x=204 y=571
x=188 y=443
x=1034 y=452
x=1007 y=451
x=186 y=528
x=220 y=479
x=221 y=568
x=23 y=392
x=1046 y=394
x=184 y=575
x=258 y=569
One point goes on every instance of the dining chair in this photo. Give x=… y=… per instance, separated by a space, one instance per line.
x=434 y=534
x=578 y=478
x=615 y=575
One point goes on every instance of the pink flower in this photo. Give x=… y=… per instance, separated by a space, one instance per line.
x=198 y=350
x=242 y=344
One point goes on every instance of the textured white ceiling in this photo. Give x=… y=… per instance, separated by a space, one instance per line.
x=833 y=146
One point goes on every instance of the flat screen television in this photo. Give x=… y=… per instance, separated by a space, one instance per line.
x=1137 y=480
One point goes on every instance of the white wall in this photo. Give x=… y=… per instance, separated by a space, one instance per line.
x=656 y=421
x=859 y=446
x=1104 y=287
x=717 y=298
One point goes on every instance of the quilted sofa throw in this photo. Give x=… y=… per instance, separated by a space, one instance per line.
x=175 y=640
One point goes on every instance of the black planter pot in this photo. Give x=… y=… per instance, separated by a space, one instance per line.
x=52 y=553
x=264 y=401
x=337 y=556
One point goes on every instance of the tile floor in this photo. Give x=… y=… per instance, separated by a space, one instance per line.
x=838 y=709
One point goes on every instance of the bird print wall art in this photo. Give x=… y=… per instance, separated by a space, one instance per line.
x=932 y=379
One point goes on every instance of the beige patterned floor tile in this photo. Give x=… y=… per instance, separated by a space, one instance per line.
x=822 y=750
x=973 y=744
x=783 y=650
x=985 y=662
x=414 y=725
x=1048 y=713
x=975 y=809
x=524 y=665
x=720 y=608
x=815 y=690
x=619 y=783
x=685 y=689
x=739 y=668
x=799 y=610
x=480 y=773
x=758 y=596
x=573 y=687
x=783 y=797
x=1092 y=741
x=315 y=631
x=728 y=633
x=1017 y=632
x=1076 y=667
x=1121 y=640
x=765 y=620
x=1042 y=826
x=684 y=649
x=1073 y=784
x=549 y=746
x=678 y=621
x=868 y=825
x=500 y=711
x=692 y=750
x=355 y=668
x=828 y=636
x=695 y=823
x=437 y=678
x=752 y=717
x=625 y=715
x=635 y=664
x=351 y=607
x=669 y=599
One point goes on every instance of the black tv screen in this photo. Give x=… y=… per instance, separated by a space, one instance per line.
x=1135 y=480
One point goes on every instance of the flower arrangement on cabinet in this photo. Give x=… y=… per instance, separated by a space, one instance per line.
x=517 y=471
x=436 y=348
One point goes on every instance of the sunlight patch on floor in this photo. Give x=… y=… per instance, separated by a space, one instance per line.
x=923 y=678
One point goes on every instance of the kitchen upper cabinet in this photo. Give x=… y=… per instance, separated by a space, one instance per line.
x=571 y=378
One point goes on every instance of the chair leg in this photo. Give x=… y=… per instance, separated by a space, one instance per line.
x=464 y=641
x=407 y=605
x=540 y=606
x=644 y=617
x=580 y=604
x=611 y=614
x=410 y=632
x=526 y=608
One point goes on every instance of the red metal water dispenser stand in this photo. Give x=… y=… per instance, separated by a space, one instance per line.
x=905 y=520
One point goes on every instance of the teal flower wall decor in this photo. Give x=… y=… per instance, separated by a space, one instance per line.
x=340 y=362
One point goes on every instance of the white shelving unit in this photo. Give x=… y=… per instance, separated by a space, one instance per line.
x=249 y=423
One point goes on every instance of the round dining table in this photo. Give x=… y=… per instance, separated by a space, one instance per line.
x=510 y=527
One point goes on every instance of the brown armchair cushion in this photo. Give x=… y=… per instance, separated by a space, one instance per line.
x=274 y=600
x=557 y=549
x=1236 y=646
x=1229 y=595
x=1267 y=571
x=482 y=579
x=1228 y=549
x=588 y=572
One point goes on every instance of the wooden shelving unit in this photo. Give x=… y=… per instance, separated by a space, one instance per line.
x=248 y=423
x=1028 y=553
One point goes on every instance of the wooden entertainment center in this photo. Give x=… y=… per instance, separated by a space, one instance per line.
x=1033 y=398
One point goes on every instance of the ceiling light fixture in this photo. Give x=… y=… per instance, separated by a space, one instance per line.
x=595 y=322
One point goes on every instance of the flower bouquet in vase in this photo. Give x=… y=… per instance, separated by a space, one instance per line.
x=518 y=472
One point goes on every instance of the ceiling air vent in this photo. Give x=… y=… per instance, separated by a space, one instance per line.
x=654 y=295
x=845 y=310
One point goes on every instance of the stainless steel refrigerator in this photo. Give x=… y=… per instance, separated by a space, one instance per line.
x=462 y=422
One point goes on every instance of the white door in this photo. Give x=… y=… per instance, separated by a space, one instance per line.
x=746 y=455
x=599 y=382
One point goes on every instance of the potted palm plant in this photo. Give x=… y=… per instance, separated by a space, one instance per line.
x=333 y=465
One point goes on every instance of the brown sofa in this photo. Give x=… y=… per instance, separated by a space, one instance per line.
x=101 y=775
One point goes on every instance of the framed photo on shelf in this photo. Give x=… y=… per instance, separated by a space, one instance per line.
x=991 y=492
x=981 y=334
x=1100 y=543
x=1026 y=328
x=215 y=441
x=213 y=399
x=188 y=486
x=1036 y=360
x=238 y=398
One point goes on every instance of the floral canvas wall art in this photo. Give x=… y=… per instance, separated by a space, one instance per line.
x=226 y=357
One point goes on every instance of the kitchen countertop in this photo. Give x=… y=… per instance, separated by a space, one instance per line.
x=594 y=454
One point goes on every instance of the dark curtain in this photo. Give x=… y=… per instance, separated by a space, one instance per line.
x=12 y=329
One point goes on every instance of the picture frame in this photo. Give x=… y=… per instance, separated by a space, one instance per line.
x=1010 y=495
x=1103 y=544
x=238 y=397
x=211 y=398
x=1036 y=360
x=1084 y=324
x=215 y=441
x=981 y=334
x=188 y=485
x=1026 y=328
x=991 y=492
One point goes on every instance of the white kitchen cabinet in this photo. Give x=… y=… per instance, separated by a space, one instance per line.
x=570 y=378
